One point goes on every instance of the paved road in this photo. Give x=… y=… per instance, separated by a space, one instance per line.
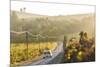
x=57 y=52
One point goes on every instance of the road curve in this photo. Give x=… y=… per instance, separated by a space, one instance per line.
x=55 y=53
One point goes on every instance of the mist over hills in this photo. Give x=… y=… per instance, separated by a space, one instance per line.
x=52 y=25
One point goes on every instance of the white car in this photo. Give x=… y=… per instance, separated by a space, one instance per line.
x=47 y=54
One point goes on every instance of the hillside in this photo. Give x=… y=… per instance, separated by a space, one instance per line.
x=53 y=25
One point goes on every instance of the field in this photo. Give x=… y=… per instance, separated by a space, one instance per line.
x=19 y=51
x=76 y=32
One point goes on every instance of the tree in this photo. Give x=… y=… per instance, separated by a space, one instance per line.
x=24 y=9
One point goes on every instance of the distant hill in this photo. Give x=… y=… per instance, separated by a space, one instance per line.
x=26 y=15
x=53 y=25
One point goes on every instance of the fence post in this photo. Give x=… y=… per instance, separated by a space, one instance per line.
x=64 y=43
x=26 y=33
x=64 y=49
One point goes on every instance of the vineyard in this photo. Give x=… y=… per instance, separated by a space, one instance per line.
x=19 y=51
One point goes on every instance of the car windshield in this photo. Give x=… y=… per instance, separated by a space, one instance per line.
x=46 y=52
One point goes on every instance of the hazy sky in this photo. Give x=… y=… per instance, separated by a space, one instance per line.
x=51 y=9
